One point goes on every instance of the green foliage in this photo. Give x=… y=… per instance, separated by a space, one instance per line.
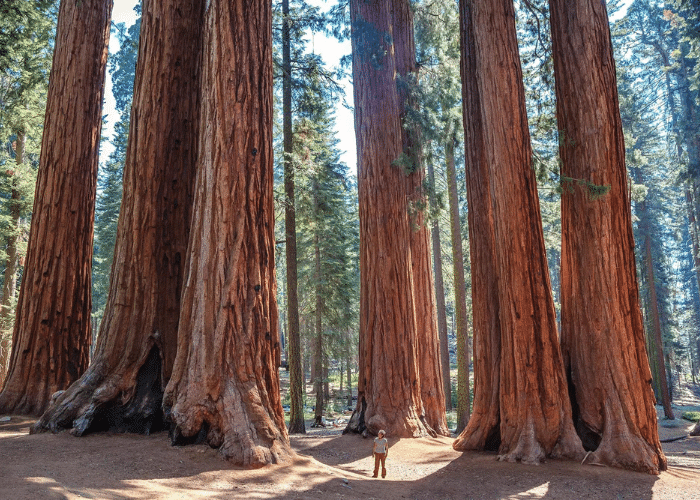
x=692 y=416
x=654 y=102
x=26 y=42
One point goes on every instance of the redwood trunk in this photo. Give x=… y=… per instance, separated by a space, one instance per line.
x=528 y=399
x=602 y=329
x=123 y=387
x=225 y=383
x=51 y=336
x=390 y=385
x=430 y=361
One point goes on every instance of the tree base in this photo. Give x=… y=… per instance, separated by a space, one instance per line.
x=92 y=403
x=409 y=426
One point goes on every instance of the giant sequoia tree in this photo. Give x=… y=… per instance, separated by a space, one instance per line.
x=51 y=337
x=605 y=356
x=136 y=347
x=224 y=388
x=394 y=261
x=520 y=403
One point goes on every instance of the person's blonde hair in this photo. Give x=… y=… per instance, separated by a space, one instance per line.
x=382 y=432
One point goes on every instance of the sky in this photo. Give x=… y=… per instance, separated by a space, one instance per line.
x=330 y=49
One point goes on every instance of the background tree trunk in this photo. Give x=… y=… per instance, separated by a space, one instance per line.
x=296 y=377
x=535 y=417
x=605 y=355
x=656 y=334
x=225 y=383
x=462 y=322
x=123 y=387
x=440 y=298
x=51 y=336
x=318 y=331
x=10 y=277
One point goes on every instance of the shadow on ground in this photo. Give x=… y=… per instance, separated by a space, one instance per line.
x=330 y=466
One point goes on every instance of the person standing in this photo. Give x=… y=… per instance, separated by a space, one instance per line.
x=380 y=452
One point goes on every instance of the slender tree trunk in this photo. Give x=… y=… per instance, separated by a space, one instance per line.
x=460 y=290
x=224 y=387
x=123 y=387
x=296 y=377
x=348 y=368
x=605 y=355
x=390 y=388
x=528 y=400
x=318 y=357
x=9 y=283
x=440 y=299
x=656 y=323
x=51 y=336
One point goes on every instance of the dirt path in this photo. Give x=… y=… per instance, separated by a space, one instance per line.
x=330 y=466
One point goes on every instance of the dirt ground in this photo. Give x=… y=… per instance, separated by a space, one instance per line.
x=329 y=466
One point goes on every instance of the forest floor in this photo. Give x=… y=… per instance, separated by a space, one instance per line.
x=329 y=465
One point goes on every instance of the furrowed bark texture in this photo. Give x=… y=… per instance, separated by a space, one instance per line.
x=602 y=331
x=528 y=399
x=389 y=386
x=431 y=378
x=225 y=388
x=51 y=337
x=123 y=387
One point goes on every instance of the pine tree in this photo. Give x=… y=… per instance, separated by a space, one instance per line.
x=26 y=31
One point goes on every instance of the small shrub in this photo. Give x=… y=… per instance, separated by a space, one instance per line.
x=693 y=416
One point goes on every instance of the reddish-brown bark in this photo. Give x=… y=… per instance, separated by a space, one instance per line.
x=602 y=330
x=521 y=401
x=430 y=361
x=135 y=352
x=395 y=291
x=51 y=337
x=224 y=387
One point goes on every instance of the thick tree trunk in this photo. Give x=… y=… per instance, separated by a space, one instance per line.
x=224 y=387
x=656 y=323
x=296 y=377
x=123 y=387
x=430 y=362
x=51 y=336
x=440 y=299
x=602 y=330
x=460 y=291
x=390 y=392
x=528 y=399
x=9 y=283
